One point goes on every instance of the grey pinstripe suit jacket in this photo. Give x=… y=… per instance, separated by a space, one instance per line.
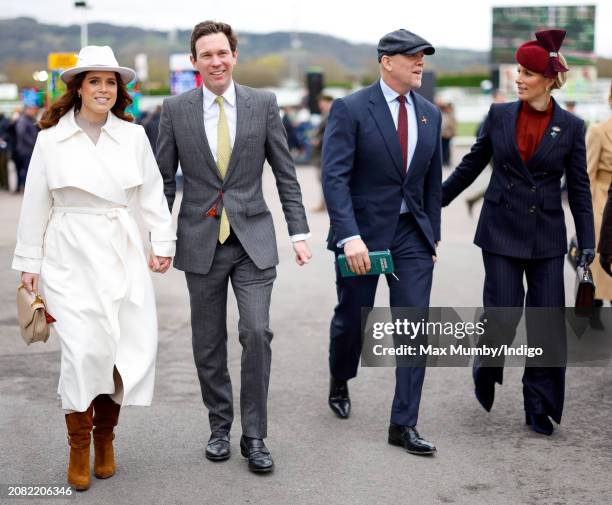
x=260 y=136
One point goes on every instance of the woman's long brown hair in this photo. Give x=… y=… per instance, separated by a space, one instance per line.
x=71 y=99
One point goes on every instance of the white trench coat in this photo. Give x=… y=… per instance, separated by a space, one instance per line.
x=77 y=230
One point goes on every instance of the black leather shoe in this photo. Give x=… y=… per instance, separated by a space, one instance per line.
x=408 y=438
x=339 y=400
x=540 y=423
x=254 y=449
x=218 y=447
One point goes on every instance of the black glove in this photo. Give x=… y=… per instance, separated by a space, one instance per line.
x=605 y=260
x=585 y=257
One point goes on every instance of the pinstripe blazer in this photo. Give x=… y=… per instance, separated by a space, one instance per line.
x=522 y=215
x=260 y=136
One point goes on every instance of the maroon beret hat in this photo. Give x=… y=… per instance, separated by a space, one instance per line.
x=542 y=55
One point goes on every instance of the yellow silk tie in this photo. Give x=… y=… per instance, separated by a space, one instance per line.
x=224 y=151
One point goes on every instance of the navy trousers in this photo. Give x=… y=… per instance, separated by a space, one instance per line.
x=543 y=387
x=414 y=268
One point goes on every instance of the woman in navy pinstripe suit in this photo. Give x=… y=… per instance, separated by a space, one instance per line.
x=533 y=143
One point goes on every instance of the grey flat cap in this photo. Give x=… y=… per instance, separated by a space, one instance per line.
x=403 y=42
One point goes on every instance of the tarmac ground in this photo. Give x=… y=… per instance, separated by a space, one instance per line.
x=482 y=457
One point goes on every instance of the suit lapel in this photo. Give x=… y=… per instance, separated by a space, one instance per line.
x=379 y=109
x=554 y=130
x=423 y=131
x=195 y=114
x=244 y=113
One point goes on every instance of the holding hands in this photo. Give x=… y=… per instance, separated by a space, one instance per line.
x=159 y=264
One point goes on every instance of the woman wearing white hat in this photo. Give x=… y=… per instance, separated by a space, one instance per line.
x=90 y=166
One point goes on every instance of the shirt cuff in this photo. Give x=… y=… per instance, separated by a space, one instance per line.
x=345 y=240
x=30 y=265
x=300 y=236
x=164 y=248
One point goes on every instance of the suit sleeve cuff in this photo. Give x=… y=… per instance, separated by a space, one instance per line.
x=300 y=236
x=345 y=240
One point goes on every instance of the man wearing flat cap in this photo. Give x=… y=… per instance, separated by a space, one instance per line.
x=382 y=184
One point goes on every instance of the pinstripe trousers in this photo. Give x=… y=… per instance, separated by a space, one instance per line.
x=543 y=387
x=208 y=297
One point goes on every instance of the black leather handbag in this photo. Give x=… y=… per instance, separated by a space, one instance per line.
x=585 y=288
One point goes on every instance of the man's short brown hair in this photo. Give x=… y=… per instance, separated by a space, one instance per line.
x=208 y=28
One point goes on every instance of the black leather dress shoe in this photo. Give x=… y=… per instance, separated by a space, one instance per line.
x=260 y=459
x=540 y=423
x=218 y=447
x=339 y=400
x=408 y=438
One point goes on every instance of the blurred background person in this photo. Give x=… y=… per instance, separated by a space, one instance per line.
x=449 y=130
x=290 y=128
x=570 y=106
x=151 y=125
x=599 y=163
x=325 y=103
x=605 y=236
x=4 y=151
x=26 y=132
x=521 y=230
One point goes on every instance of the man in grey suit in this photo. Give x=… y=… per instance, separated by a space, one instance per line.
x=222 y=133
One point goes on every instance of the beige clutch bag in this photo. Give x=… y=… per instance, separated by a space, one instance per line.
x=32 y=316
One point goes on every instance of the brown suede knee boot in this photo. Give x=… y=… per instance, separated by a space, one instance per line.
x=79 y=426
x=106 y=415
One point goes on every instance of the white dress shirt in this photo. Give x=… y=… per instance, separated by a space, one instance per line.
x=211 y=119
x=413 y=134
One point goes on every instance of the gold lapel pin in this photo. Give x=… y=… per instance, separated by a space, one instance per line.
x=424 y=120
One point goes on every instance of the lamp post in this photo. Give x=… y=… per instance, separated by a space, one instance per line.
x=83 y=5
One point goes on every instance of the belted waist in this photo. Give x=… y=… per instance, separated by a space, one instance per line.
x=91 y=210
x=129 y=252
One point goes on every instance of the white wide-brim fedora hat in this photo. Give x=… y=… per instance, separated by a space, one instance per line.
x=100 y=58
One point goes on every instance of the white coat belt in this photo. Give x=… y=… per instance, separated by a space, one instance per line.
x=130 y=255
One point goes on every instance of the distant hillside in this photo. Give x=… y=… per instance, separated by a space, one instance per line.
x=25 y=43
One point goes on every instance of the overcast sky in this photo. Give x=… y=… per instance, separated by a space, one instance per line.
x=450 y=23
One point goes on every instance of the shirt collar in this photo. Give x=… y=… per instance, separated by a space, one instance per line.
x=229 y=96
x=390 y=94
x=67 y=126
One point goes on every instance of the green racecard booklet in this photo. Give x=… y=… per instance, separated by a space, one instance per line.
x=382 y=263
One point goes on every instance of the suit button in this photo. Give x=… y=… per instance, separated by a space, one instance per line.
x=533 y=189
x=510 y=185
x=508 y=206
x=532 y=209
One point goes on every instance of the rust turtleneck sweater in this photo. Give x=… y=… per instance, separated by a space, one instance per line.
x=530 y=127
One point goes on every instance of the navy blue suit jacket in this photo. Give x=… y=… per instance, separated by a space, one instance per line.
x=522 y=215
x=364 y=179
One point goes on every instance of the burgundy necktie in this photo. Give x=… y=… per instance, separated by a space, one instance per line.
x=402 y=129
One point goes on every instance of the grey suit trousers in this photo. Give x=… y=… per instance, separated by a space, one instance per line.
x=208 y=297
